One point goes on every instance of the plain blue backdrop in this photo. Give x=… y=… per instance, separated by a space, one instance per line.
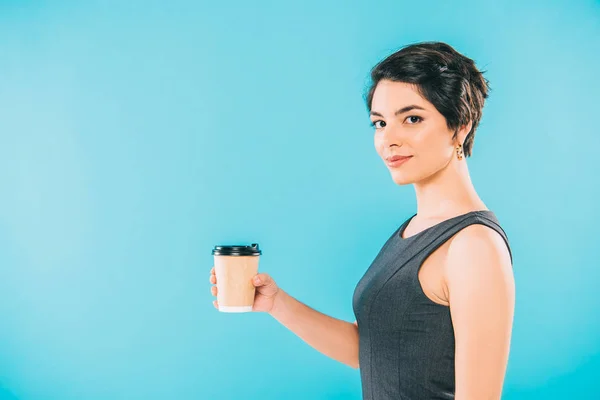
x=134 y=136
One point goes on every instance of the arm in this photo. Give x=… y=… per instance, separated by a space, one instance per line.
x=333 y=337
x=481 y=290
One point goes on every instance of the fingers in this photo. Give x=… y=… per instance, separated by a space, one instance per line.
x=216 y=304
x=213 y=276
x=214 y=290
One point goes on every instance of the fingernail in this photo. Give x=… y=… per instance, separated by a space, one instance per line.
x=257 y=279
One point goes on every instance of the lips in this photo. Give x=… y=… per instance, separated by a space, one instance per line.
x=396 y=161
x=396 y=158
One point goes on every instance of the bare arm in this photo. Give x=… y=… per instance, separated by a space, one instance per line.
x=333 y=337
x=481 y=295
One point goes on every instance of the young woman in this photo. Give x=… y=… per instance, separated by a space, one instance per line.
x=434 y=310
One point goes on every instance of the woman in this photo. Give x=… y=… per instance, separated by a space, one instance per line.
x=434 y=311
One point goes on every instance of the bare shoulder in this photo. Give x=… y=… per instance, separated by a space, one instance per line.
x=479 y=247
x=478 y=240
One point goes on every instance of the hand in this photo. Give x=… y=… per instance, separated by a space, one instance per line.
x=266 y=293
x=264 y=297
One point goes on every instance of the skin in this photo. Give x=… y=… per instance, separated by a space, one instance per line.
x=471 y=273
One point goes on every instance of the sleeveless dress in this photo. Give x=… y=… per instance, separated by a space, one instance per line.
x=406 y=340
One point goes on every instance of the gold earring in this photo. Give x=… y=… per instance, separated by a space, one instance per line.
x=459 y=152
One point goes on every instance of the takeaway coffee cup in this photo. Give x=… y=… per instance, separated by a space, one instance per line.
x=235 y=266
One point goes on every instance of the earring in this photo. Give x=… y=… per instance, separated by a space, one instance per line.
x=459 y=152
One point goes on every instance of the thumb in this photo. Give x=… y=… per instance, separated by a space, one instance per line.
x=265 y=285
x=260 y=280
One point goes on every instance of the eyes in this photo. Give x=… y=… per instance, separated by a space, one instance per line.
x=413 y=119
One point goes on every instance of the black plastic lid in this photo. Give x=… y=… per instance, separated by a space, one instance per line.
x=252 y=250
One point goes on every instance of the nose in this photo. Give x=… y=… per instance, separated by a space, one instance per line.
x=392 y=137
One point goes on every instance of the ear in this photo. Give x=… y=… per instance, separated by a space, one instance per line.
x=462 y=132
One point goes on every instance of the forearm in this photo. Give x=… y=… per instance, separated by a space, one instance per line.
x=333 y=337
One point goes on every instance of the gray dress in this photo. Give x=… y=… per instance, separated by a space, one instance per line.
x=406 y=341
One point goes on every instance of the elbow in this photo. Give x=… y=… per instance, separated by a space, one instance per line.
x=352 y=364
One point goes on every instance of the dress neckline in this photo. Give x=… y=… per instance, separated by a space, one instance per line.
x=405 y=224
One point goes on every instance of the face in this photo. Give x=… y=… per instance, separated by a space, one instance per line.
x=408 y=125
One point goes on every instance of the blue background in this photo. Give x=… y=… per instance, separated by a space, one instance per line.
x=134 y=136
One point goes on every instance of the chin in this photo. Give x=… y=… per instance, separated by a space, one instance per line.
x=402 y=179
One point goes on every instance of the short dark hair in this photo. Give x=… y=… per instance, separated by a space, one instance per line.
x=444 y=77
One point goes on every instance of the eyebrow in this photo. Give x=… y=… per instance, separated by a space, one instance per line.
x=400 y=111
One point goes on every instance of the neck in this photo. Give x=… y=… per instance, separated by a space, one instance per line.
x=447 y=193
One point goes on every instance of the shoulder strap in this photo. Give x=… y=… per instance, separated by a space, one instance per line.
x=445 y=231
